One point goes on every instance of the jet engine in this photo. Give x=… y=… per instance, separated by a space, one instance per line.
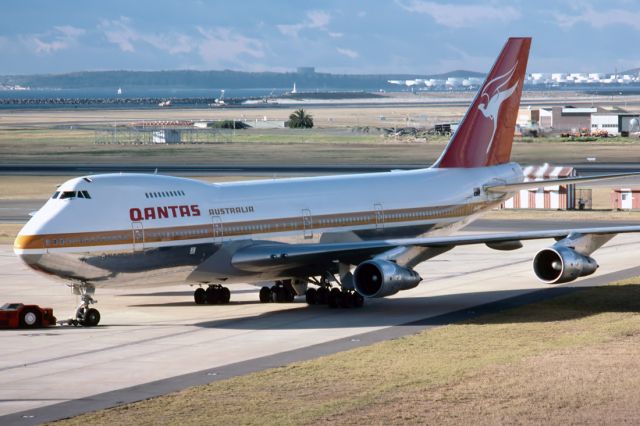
x=381 y=278
x=560 y=264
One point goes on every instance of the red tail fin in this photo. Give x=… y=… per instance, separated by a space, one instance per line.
x=485 y=135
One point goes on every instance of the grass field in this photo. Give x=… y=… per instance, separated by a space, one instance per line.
x=570 y=360
x=298 y=147
x=60 y=137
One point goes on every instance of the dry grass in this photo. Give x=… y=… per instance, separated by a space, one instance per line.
x=9 y=231
x=29 y=187
x=53 y=137
x=569 y=360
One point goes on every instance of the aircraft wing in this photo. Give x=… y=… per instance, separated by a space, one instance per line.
x=511 y=187
x=263 y=256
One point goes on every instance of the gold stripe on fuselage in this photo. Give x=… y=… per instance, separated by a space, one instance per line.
x=254 y=227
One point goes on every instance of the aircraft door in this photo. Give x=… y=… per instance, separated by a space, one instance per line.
x=218 y=230
x=307 y=224
x=138 y=236
x=379 y=216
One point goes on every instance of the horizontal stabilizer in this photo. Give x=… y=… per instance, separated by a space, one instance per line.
x=512 y=187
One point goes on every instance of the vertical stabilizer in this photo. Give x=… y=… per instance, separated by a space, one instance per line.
x=485 y=135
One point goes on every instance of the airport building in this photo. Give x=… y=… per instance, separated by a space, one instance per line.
x=625 y=199
x=548 y=197
x=579 y=119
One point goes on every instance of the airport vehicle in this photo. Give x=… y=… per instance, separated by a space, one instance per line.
x=334 y=239
x=19 y=315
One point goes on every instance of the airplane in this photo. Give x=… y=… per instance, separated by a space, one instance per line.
x=334 y=239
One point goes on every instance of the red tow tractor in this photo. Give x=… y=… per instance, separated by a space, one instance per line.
x=19 y=315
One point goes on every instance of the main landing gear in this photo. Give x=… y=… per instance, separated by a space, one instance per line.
x=280 y=292
x=85 y=315
x=213 y=295
x=334 y=297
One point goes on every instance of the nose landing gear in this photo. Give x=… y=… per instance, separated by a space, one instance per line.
x=84 y=315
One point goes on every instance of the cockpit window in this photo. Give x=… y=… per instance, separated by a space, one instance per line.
x=55 y=195
x=72 y=194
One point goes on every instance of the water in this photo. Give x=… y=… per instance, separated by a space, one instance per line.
x=129 y=98
x=160 y=93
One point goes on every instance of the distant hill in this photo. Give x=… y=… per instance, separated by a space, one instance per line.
x=216 y=79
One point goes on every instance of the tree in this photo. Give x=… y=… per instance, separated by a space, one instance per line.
x=300 y=120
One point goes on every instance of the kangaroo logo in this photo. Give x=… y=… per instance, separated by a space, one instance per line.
x=494 y=94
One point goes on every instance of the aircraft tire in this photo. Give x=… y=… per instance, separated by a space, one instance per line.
x=322 y=296
x=265 y=295
x=358 y=300
x=335 y=298
x=200 y=296
x=280 y=295
x=213 y=295
x=225 y=295
x=347 y=300
x=311 y=296
x=289 y=295
x=91 y=318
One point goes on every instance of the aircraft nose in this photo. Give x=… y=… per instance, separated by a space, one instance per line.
x=30 y=249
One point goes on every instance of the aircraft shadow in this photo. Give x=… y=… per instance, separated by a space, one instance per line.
x=395 y=312
x=191 y=303
x=179 y=293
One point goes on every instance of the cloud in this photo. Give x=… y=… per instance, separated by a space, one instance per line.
x=348 y=52
x=62 y=37
x=316 y=19
x=462 y=15
x=335 y=35
x=598 y=18
x=223 y=46
x=121 y=33
x=215 y=47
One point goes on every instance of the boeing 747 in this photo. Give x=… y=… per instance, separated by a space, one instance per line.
x=335 y=239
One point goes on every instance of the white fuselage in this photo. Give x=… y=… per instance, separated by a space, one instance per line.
x=155 y=230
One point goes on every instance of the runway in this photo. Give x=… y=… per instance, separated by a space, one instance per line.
x=154 y=341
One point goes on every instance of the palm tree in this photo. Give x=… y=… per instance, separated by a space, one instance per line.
x=300 y=120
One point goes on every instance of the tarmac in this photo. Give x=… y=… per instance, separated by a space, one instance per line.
x=154 y=341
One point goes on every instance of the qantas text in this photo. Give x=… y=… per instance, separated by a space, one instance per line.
x=166 y=212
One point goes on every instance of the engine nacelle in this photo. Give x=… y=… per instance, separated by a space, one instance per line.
x=558 y=264
x=381 y=278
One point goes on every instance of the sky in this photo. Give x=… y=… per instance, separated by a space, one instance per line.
x=353 y=37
